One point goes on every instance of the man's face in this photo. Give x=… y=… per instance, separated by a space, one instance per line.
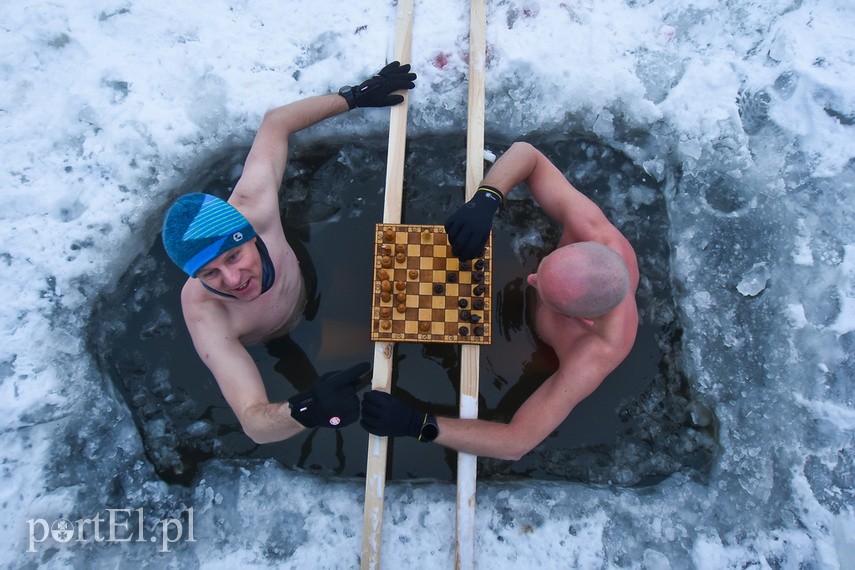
x=236 y=272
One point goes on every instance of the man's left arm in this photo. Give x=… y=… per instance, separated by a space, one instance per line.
x=256 y=193
x=386 y=415
x=537 y=417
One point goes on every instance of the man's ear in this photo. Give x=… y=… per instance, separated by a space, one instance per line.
x=532 y=280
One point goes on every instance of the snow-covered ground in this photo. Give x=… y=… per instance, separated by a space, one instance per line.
x=744 y=110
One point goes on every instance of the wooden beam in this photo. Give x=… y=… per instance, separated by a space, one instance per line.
x=470 y=354
x=375 y=472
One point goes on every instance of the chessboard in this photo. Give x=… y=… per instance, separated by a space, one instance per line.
x=422 y=293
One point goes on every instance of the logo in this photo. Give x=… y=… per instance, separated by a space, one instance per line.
x=335 y=420
x=62 y=530
x=237 y=237
x=119 y=525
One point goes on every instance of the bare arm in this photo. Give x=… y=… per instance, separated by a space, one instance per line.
x=582 y=219
x=469 y=226
x=256 y=193
x=237 y=375
x=538 y=417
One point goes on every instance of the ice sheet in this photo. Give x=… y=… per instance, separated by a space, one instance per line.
x=745 y=109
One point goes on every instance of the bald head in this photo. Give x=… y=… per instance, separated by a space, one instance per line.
x=585 y=279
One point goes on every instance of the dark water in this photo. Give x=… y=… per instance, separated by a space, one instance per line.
x=637 y=428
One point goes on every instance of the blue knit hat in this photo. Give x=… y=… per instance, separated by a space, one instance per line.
x=199 y=227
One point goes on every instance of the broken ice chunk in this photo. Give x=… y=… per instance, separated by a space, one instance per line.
x=754 y=280
x=655 y=168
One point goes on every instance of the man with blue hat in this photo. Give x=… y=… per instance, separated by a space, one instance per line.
x=245 y=283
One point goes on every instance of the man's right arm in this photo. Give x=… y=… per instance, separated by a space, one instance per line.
x=582 y=219
x=238 y=376
x=469 y=226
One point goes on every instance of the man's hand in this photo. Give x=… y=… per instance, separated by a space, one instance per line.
x=331 y=401
x=377 y=91
x=386 y=415
x=469 y=227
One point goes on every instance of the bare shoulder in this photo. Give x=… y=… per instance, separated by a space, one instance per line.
x=192 y=299
x=206 y=318
x=621 y=328
x=257 y=198
x=597 y=345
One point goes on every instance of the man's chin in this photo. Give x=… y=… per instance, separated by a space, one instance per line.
x=252 y=297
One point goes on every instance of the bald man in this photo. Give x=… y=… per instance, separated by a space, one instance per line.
x=585 y=311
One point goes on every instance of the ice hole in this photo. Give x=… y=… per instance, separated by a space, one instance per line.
x=638 y=428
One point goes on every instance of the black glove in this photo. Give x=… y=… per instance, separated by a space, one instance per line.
x=385 y=415
x=469 y=227
x=331 y=401
x=376 y=92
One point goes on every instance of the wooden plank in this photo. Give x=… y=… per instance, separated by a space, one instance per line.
x=375 y=472
x=470 y=354
x=477 y=75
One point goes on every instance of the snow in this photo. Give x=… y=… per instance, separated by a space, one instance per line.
x=745 y=109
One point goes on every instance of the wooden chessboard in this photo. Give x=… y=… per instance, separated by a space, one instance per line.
x=422 y=293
